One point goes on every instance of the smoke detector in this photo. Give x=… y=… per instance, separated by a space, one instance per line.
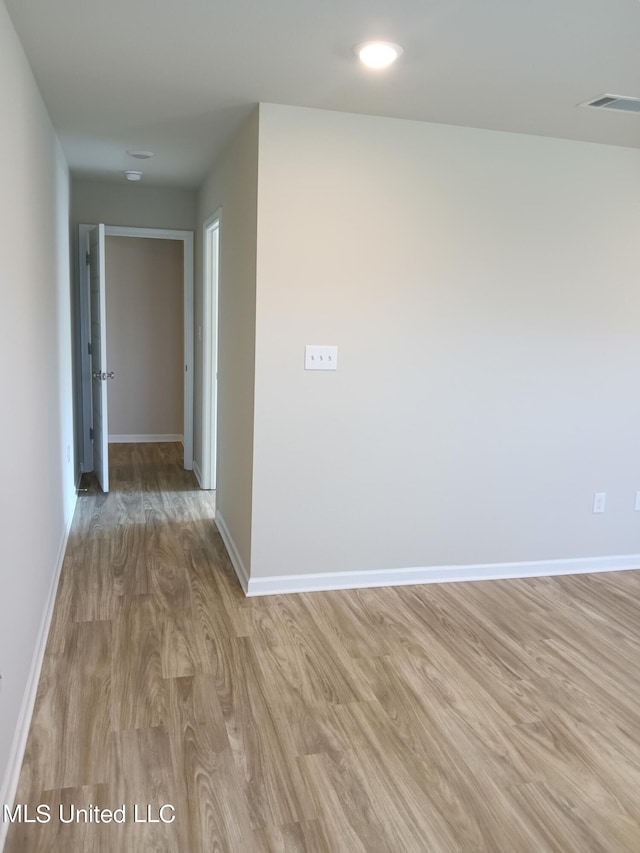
x=140 y=155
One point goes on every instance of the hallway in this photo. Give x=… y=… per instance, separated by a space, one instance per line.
x=127 y=655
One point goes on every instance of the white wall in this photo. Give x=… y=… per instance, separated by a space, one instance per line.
x=482 y=288
x=232 y=186
x=37 y=494
x=145 y=336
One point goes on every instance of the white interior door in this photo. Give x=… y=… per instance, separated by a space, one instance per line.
x=99 y=370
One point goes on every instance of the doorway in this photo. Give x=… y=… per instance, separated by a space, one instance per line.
x=211 y=269
x=85 y=310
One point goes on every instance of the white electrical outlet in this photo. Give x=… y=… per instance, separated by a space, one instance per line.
x=637 y=502
x=320 y=358
x=599 y=501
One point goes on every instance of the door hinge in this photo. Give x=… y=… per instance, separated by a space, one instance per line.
x=90 y=432
x=89 y=347
x=88 y=259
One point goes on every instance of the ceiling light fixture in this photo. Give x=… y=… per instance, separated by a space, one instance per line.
x=140 y=155
x=378 y=54
x=132 y=175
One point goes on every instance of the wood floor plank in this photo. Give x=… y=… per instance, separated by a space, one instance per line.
x=307 y=837
x=467 y=635
x=344 y=805
x=577 y=661
x=218 y=604
x=66 y=746
x=58 y=834
x=269 y=773
x=605 y=636
x=138 y=690
x=212 y=805
x=308 y=727
x=61 y=628
x=404 y=783
x=128 y=559
x=94 y=594
x=193 y=702
x=181 y=652
x=565 y=825
x=346 y=617
x=609 y=766
x=330 y=675
x=138 y=776
x=590 y=709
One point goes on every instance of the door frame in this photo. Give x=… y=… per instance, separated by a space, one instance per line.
x=187 y=279
x=98 y=331
x=211 y=281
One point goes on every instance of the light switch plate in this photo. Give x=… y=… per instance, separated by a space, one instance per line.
x=599 y=501
x=320 y=357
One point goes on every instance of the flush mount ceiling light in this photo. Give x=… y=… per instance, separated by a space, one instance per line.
x=378 y=54
x=132 y=175
x=140 y=155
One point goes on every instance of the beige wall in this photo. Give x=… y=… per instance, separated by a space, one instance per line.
x=232 y=186
x=145 y=334
x=482 y=289
x=135 y=205
x=37 y=493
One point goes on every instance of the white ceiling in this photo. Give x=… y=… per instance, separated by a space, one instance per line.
x=178 y=76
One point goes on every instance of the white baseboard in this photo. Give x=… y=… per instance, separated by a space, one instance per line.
x=277 y=585
x=236 y=561
x=143 y=439
x=16 y=756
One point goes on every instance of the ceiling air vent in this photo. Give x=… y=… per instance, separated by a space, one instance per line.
x=615 y=102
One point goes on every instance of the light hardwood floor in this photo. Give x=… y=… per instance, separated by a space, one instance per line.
x=501 y=716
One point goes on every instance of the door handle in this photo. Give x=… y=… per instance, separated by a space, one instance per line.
x=102 y=376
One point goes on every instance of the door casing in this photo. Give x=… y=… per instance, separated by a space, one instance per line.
x=211 y=243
